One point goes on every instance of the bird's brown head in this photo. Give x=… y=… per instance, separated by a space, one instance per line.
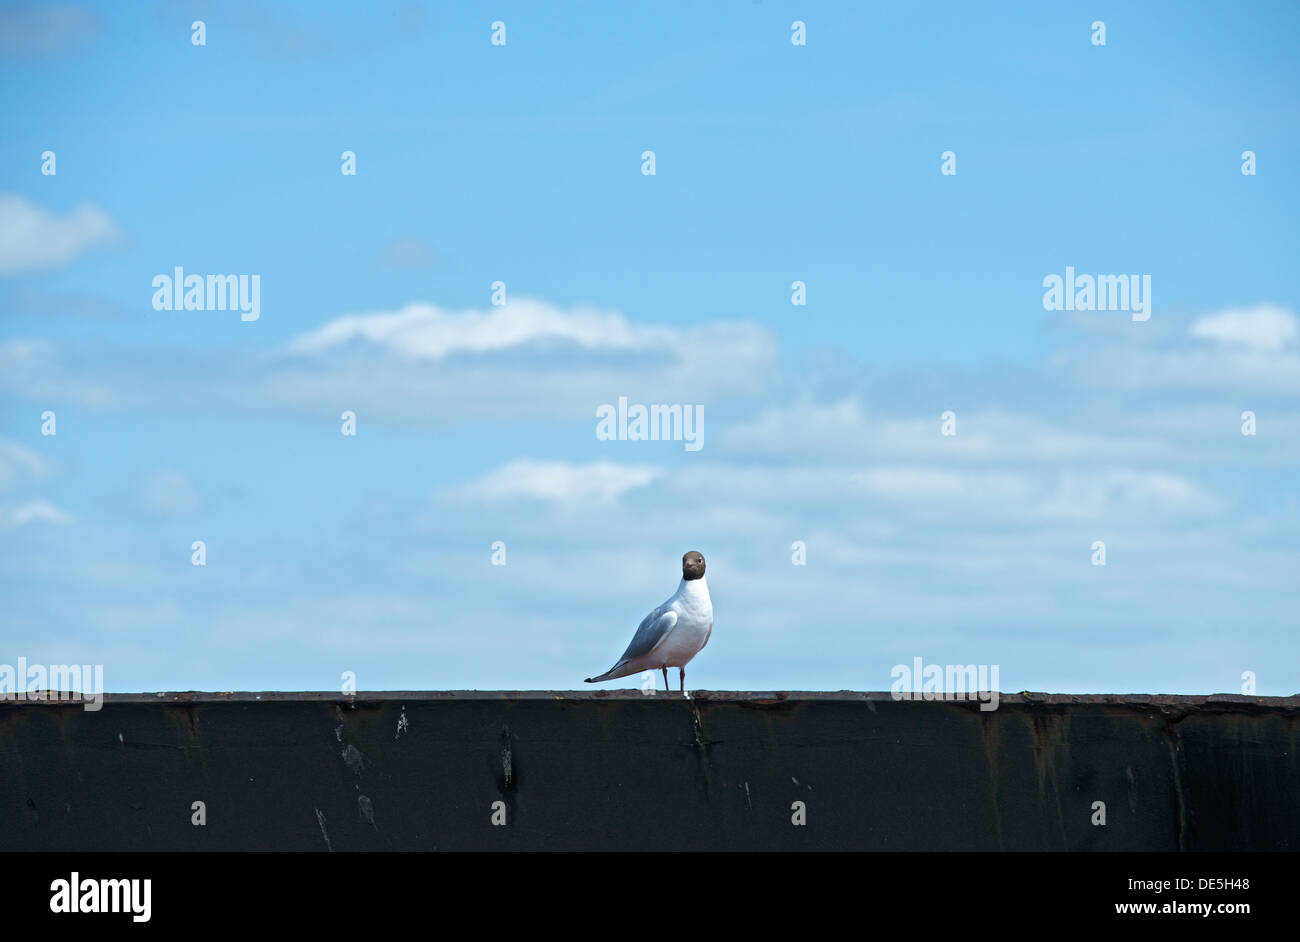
x=692 y=566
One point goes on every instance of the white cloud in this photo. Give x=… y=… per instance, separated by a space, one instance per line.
x=33 y=511
x=1263 y=372
x=20 y=466
x=1231 y=351
x=422 y=365
x=1262 y=327
x=33 y=238
x=1086 y=496
x=427 y=332
x=33 y=369
x=953 y=495
x=600 y=482
x=725 y=493
x=526 y=359
x=846 y=429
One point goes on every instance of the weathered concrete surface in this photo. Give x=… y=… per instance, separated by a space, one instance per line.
x=619 y=770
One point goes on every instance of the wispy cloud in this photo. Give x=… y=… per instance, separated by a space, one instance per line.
x=955 y=495
x=1263 y=327
x=33 y=238
x=35 y=370
x=20 y=466
x=528 y=360
x=32 y=511
x=428 y=332
x=846 y=429
x=1232 y=350
x=597 y=483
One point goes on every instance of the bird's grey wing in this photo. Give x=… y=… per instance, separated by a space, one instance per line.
x=652 y=630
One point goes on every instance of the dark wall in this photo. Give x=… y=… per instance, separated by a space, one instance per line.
x=619 y=770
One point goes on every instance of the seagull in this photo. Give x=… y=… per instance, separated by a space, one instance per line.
x=674 y=632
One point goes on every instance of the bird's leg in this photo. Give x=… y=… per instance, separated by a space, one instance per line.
x=683 y=678
x=666 y=687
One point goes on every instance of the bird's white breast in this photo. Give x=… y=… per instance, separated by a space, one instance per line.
x=694 y=624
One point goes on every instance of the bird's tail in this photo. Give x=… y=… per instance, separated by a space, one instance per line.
x=618 y=670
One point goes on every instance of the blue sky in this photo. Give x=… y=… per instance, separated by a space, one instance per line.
x=774 y=163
